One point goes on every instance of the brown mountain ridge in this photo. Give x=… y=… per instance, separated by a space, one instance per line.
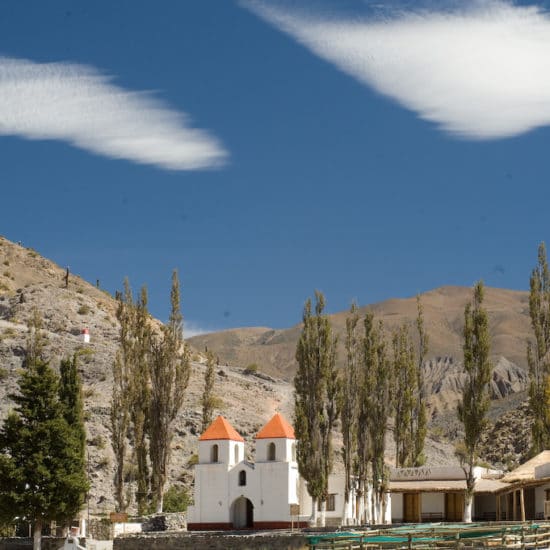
x=273 y=349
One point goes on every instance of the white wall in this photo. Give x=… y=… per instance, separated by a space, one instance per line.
x=283 y=449
x=397 y=507
x=433 y=503
x=540 y=497
x=211 y=494
x=226 y=451
x=126 y=528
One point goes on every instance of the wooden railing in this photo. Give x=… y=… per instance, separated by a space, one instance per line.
x=490 y=535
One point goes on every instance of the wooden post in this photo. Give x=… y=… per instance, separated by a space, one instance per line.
x=497 y=517
x=514 y=506
x=522 y=504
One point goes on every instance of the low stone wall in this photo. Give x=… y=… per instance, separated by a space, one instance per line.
x=19 y=543
x=164 y=522
x=211 y=541
x=100 y=529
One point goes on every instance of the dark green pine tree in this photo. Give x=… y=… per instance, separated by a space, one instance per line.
x=70 y=396
x=37 y=447
x=315 y=401
x=472 y=410
x=537 y=354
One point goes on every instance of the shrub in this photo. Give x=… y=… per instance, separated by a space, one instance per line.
x=251 y=369
x=97 y=441
x=88 y=392
x=193 y=459
x=9 y=332
x=84 y=309
x=4 y=373
x=7 y=274
x=217 y=403
x=103 y=462
x=6 y=262
x=176 y=499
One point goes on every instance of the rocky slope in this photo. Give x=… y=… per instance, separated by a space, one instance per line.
x=28 y=281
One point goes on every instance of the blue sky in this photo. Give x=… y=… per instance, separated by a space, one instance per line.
x=263 y=160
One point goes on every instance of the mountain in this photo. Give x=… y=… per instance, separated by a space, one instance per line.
x=273 y=349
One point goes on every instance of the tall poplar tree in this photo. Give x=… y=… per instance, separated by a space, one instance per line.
x=349 y=411
x=538 y=357
x=378 y=395
x=140 y=353
x=364 y=446
x=404 y=399
x=119 y=424
x=315 y=399
x=131 y=394
x=170 y=371
x=472 y=410
x=419 y=421
x=207 y=399
x=121 y=397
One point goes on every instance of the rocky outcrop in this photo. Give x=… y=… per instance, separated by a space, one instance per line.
x=506 y=442
x=444 y=377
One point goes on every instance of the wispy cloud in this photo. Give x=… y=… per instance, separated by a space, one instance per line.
x=77 y=104
x=195 y=329
x=478 y=69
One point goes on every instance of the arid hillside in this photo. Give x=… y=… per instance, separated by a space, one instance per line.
x=28 y=281
x=273 y=350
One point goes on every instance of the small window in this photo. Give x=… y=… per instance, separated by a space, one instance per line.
x=293 y=451
x=331 y=503
x=271 y=451
x=236 y=452
x=214 y=453
x=242 y=478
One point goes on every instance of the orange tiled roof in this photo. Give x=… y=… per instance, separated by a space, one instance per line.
x=220 y=429
x=277 y=427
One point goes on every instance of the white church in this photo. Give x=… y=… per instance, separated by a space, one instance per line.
x=232 y=493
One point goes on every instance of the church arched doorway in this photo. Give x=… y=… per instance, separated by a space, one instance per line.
x=242 y=513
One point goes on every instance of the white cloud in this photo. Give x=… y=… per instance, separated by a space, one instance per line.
x=191 y=329
x=75 y=103
x=479 y=69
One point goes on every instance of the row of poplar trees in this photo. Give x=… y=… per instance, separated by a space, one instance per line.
x=150 y=377
x=378 y=381
x=42 y=442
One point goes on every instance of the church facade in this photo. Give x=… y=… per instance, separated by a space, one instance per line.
x=232 y=493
